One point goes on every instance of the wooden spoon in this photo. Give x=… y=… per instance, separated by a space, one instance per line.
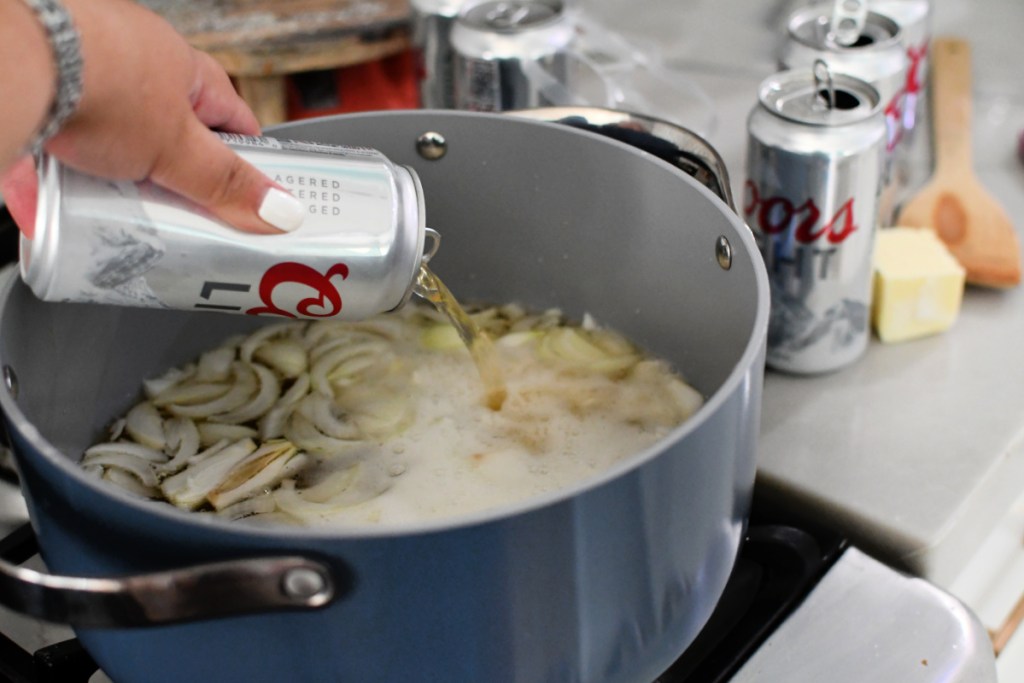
x=966 y=217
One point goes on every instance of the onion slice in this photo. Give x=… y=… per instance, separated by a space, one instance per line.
x=144 y=424
x=189 y=487
x=183 y=438
x=258 y=472
x=261 y=402
x=245 y=384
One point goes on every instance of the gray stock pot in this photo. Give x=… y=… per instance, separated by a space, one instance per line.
x=607 y=581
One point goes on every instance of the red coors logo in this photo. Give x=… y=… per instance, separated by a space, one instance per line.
x=776 y=214
x=324 y=304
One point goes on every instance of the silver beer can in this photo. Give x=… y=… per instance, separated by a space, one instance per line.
x=356 y=254
x=914 y=19
x=877 y=56
x=511 y=54
x=815 y=156
x=432 y=22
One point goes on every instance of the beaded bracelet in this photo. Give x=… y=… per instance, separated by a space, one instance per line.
x=67 y=54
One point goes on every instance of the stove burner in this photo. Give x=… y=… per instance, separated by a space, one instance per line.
x=776 y=568
x=63 y=662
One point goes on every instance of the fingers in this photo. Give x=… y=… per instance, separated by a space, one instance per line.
x=203 y=169
x=215 y=102
x=19 y=187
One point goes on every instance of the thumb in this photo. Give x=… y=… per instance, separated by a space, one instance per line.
x=19 y=188
x=205 y=170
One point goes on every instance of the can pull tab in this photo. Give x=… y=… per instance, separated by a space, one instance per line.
x=824 y=87
x=848 y=17
x=435 y=244
x=508 y=14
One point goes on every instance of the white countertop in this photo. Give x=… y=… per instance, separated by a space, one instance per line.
x=918 y=448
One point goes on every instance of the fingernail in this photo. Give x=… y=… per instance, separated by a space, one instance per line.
x=282 y=210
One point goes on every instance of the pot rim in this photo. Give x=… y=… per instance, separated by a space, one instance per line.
x=743 y=239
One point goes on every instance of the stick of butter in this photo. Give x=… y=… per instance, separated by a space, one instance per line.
x=918 y=284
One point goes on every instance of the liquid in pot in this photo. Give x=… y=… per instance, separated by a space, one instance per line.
x=386 y=421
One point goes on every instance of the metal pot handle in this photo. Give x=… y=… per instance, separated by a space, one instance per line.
x=198 y=592
x=678 y=146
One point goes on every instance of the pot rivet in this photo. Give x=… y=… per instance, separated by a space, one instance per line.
x=11 y=381
x=431 y=145
x=723 y=252
x=303 y=584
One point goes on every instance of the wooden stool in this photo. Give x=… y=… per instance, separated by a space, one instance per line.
x=260 y=42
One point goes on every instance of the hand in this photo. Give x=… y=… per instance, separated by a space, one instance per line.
x=149 y=101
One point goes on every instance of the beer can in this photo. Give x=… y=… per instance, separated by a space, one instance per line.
x=432 y=22
x=511 y=54
x=877 y=56
x=356 y=254
x=914 y=19
x=815 y=155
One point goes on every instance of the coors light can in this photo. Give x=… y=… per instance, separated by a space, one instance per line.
x=914 y=19
x=356 y=254
x=877 y=56
x=432 y=22
x=815 y=155
x=511 y=54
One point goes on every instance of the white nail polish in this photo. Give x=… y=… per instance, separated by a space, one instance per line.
x=282 y=210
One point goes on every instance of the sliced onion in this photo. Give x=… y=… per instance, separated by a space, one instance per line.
x=155 y=386
x=284 y=329
x=117 y=428
x=212 y=432
x=261 y=402
x=688 y=399
x=301 y=431
x=256 y=505
x=384 y=418
x=183 y=440
x=322 y=412
x=514 y=339
x=344 y=365
x=575 y=349
x=142 y=469
x=135 y=450
x=287 y=357
x=144 y=424
x=189 y=487
x=213 y=449
x=386 y=327
x=215 y=365
x=338 y=490
x=273 y=421
x=331 y=333
x=245 y=384
x=441 y=338
x=190 y=393
x=258 y=473
x=129 y=482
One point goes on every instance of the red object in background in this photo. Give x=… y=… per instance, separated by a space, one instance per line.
x=389 y=83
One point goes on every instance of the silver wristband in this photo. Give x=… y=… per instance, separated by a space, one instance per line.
x=67 y=55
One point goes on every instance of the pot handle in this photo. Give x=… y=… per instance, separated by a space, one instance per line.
x=670 y=142
x=198 y=592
